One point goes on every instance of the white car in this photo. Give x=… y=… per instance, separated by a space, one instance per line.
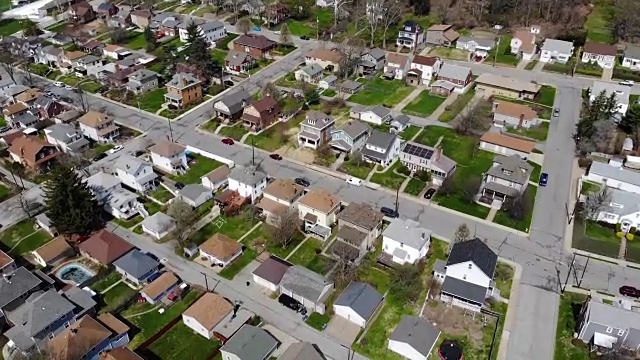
x=354 y=181
x=627 y=82
x=277 y=32
x=68 y=87
x=115 y=149
x=58 y=84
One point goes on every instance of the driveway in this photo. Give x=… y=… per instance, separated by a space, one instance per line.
x=342 y=330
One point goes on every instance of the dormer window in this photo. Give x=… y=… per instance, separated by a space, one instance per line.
x=470 y=266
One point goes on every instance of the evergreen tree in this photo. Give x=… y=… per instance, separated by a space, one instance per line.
x=30 y=28
x=631 y=123
x=150 y=39
x=285 y=34
x=198 y=51
x=595 y=116
x=69 y=203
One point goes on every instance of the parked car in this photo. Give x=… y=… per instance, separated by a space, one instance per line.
x=627 y=82
x=257 y=28
x=115 y=149
x=556 y=112
x=304 y=37
x=228 y=141
x=629 y=291
x=138 y=153
x=68 y=87
x=58 y=84
x=179 y=185
x=291 y=303
x=389 y=212
x=544 y=179
x=429 y=194
x=354 y=181
x=277 y=32
x=99 y=157
x=159 y=35
x=276 y=157
x=302 y=182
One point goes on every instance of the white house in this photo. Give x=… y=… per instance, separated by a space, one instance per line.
x=99 y=127
x=115 y=52
x=216 y=179
x=211 y=31
x=414 y=338
x=66 y=138
x=622 y=93
x=169 y=156
x=381 y=148
x=319 y=208
x=248 y=182
x=357 y=303
x=602 y=54
x=250 y=342
x=479 y=47
x=428 y=66
x=624 y=209
x=158 y=225
x=371 y=61
x=270 y=272
x=411 y=35
x=328 y=82
x=467 y=276
x=375 y=114
x=195 y=194
x=631 y=57
x=206 y=313
x=108 y=191
x=220 y=250
x=614 y=176
x=396 y=66
x=135 y=173
x=523 y=44
x=406 y=241
x=556 y=50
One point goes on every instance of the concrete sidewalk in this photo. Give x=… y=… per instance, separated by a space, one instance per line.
x=414 y=94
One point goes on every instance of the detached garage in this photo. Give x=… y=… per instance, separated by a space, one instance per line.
x=269 y=274
x=357 y=303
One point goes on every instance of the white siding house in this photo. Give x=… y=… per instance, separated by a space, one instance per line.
x=614 y=176
x=136 y=173
x=169 y=157
x=406 y=241
x=248 y=182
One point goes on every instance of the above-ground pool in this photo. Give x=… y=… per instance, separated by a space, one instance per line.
x=450 y=350
x=74 y=273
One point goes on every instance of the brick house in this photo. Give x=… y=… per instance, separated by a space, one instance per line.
x=258 y=46
x=260 y=114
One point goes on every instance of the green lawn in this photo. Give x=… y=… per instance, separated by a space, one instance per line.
x=531 y=64
x=151 y=101
x=504 y=284
x=4 y=191
x=308 y=27
x=187 y=9
x=376 y=277
x=633 y=250
x=353 y=169
x=218 y=56
x=165 y=4
x=116 y=296
x=248 y=255
x=223 y=44
x=389 y=178
x=500 y=53
x=204 y=10
x=424 y=104
x=199 y=166
x=329 y=93
x=57 y=27
x=308 y=255
x=9 y=26
x=5 y=5
x=106 y=281
x=408 y=133
x=318 y=321
x=535 y=173
x=451 y=111
x=236 y=132
x=181 y=342
x=275 y=137
x=538 y=132
x=503 y=218
x=152 y=207
x=414 y=187
x=592 y=237
x=546 y=96
x=22 y=230
x=203 y=233
x=88 y=86
x=32 y=242
x=379 y=91
x=599 y=22
x=151 y=322
x=450 y=53
x=161 y=194
x=128 y=223
x=589 y=187
x=236 y=226
x=284 y=251
x=566 y=347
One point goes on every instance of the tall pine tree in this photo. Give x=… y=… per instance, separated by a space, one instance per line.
x=69 y=203
x=198 y=51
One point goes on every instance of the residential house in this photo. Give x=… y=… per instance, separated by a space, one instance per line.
x=312 y=73
x=14 y=110
x=99 y=127
x=325 y=3
x=237 y=62
x=279 y=197
x=33 y=152
x=168 y=26
x=16 y=286
x=115 y=52
x=248 y=182
x=508 y=177
x=220 y=250
x=556 y=51
x=614 y=176
x=631 y=58
x=136 y=173
x=104 y=247
x=349 y=86
x=506 y=145
x=276 y=13
x=371 y=61
x=136 y=267
x=230 y=106
x=66 y=138
x=89 y=65
x=419 y=157
x=359 y=225
x=53 y=252
x=141 y=18
x=423 y=69
x=250 y=342
x=61 y=39
x=169 y=157
x=195 y=195
x=159 y=288
x=142 y=80
x=441 y=35
x=158 y=225
x=49 y=55
x=43 y=221
x=375 y=114
x=261 y=114
x=67 y=116
x=399 y=123
x=414 y=338
x=28 y=98
x=357 y=303
x=468 y=275
x=106 y=10
x=327 y=82
x=82 y=12
x=211 y=317
x=302 y=351
x=25 y=121
x=183 y=89
x=523 y=44
x=47 y=107
x=396 y=66
x=405 y=241
x=621 y=209
x=381 y=148
x=93 y=47
x=120 y=76
x=116 y=200
x=7 y=265
x=316 y=129
x=318 y=209
x=350 y=137
x=478 y=47
x=309 y=288
x=621 y=93
x=270 y=273
x=216 y=179
x=211 y=31
x=325 y=58
x=508 y=114
x=121 y=19
x=452 y=78
x=495 y=85
x=602 y=54
x=609 y=327
x=411 y=35
x=259 y=46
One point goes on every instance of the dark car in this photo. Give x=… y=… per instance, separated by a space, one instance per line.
x=153 y=257
x=389 y=212
x=630 y=291
x=302 y=182
x=152 y=277
x=228 y=141
x=138 y=153
x=304 y=37
x=276 y=156
x=556 y=112
x=544 y=179
x=291 y=303
x=429 y=194
x=179 y=185
x=99 y=157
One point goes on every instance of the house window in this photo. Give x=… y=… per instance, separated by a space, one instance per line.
x=464 y=277
x=50 y=335
x=609 y=330
x=470 y=266
x=66 y=325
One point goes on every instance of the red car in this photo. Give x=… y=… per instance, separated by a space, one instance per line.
x=227 y=141
x=159 y=35
x=276 y=156
x=630 y=291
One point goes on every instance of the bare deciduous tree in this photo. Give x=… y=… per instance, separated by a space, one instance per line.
x=461 y=234
x=374 y=10
x=8 y=63
x=351 y=51
x=285 y=228
x=27 y=77
x=244 y=25
x=393 y=10
x=338 y=6
x=270 y=89
x=185 y=218
x=468 y=122
x=28 y=205
x=596 y=202
x=83 y=100
x=285 y=34
x=345 y=269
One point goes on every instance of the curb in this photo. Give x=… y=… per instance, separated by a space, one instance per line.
x=511 y=308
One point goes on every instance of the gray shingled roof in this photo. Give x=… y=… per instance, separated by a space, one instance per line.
x=354 y=128
x=236 y=58
x=236 y=101
x=17 y=284
x=318 y=120
x=249 y=175
x=101 y=181
x=302 y=351
x=159 y=222
x=142 y=74
x=511 y=168
x=350 y=85
x=193 y=191
x=379 y=110
x=452 y=71
x=61 y=131
x=211 y=25
x=304 y=282
x=361 y=297
x=417 y=332
x=408 y=232
x=178 y=80
x=632 y=52
x=615 y=173
x=464 y=289
x=377 y=53
x=401 y=119
x=136 y=263
x=560 y=46
x=251 y=343
x=312 y=69
x=480 y=41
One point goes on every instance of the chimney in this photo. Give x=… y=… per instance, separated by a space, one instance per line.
x=438 y=153
x=184 y=81
x=521 y=120
x=7 y=278
x=117 y=67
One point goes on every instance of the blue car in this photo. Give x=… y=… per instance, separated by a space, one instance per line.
x=544 y=178
x=257 y=28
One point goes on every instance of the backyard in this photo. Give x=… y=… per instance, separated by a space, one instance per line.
x=22 y=237
x=450 y=53
x=379 y=91
x=282 y=251
x=452 y=110
x=9 y=26
x=102 y=284
x=592 y=237
x=598 y=23
x=161 y=194
x=180 y=342
x=199 y=166
x=566 y=347
x=135 y=41
x=116 y=297
x=424 y=104
x=411 y=131
x=309 y=256
x=309 y=27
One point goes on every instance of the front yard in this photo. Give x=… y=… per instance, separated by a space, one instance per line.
x=414 y=187
x=592 y=237
x=390 y=178
x=503 y=218
x=181 y=342
x=379 y=91
x=566 y=347
x=538 y=132
x=277 y=136
x=151 y=101
x=233 y=269
x=450 y=53
x=424 y=104
x=356 y=168
x=502 y=53
x=199 y=166
x=236 y=132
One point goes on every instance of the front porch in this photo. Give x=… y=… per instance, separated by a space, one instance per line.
x=311 y=226
x=308 y=140
x=405 y=41
x=173 y=99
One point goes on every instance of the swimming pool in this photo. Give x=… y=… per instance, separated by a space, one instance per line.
x=74 y=273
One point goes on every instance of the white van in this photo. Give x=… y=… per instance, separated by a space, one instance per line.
x=354 y=181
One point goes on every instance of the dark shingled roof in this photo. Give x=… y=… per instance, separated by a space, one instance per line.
x=272 y=269
x=361 y=298
x=477 y=251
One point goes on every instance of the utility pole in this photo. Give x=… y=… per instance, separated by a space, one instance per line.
x=495 y=55
x=317 y=27
x=206 y=280
x=566 y=281
x=575 y=65
x=253 y=154
x=170 y=131
x=397 y=198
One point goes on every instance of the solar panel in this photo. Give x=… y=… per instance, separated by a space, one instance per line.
x=419 y=151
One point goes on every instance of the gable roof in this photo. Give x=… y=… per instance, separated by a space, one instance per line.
x=182 y=81
x=209 y=310
x=376 y=53
x=354 y=128
x=236 y=100
x=105 y=247
x=302 y=351
x=381 y=139
x=219 y=174
x=249 y=175
x=417 y=332
x=508 y=142
x=311 y=69
x=17 y=284
x=476 y=251
x=333 y=56
x=507 y=83
x=560 y=46
x=28 y=147
x=318 y=120
x=284 y=189
x=361 y=214
x=517 y=170
x=72 y=343
x=237 y=58
x=160 y=285
x=378 y=110
x=514 y=110
x=451 y=71
x=250 y=343
x=528 y=40
x=255 y=41
x=167 y=148
x=221 y=246
x=320 y=199
x=95 y=119
x=304 y=282
x=424 y=60
x=193 y=191
x=136 y=263
x=132 y=165
x=615 y=173
x=158 y=222
x=632 y=51
x=272 y=269
x=15 y=108
x=408 y=232
x=265 y=106
x=361 y=297
x=53 y=249
x=600 y=48
x=5 y=259
x=399 y=59
x=484 y=42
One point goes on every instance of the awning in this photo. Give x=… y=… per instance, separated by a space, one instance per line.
x=318 y=229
